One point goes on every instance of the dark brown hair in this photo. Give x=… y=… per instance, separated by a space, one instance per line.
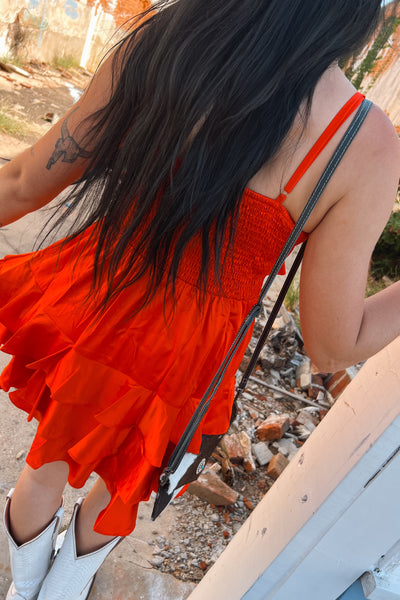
x=228 y=75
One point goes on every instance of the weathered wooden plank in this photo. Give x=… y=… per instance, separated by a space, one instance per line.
x=351 y=539
x=347 y=450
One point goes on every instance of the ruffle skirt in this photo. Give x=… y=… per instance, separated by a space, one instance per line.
x=112 y=392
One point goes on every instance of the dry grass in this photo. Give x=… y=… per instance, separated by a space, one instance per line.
x=65 y=62
x=11 y=125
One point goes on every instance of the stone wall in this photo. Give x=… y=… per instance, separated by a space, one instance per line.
x=76 y=31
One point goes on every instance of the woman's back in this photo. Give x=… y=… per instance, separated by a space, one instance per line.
x=345 y=224
x=151 y=205
x=331 y=94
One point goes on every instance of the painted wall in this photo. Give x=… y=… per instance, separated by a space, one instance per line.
x=45 y=29
x=122 y=10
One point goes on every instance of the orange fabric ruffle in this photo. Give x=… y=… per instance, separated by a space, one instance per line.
x=112 y=394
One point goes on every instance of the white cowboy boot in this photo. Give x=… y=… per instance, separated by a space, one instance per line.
x=30 y=561
x=71 y=577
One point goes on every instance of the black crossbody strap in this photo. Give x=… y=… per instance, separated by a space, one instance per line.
x=267 y=328
x=204 y=404
x=316 y=194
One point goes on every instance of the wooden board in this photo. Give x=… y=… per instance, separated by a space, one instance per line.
x=315 y=532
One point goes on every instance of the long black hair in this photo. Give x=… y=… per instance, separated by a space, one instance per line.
x=203 y=95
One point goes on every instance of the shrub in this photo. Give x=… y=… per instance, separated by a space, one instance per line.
x=386 y=256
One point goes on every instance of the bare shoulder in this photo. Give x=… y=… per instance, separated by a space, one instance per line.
x=373 y=168
x=369 y=180
x=377 y=136
x=339 y=249
x=383 y=140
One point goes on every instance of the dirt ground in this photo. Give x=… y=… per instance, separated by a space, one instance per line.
x=39 y=100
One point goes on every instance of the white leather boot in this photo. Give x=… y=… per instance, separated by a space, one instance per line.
x=30 y=561
x=71 y=577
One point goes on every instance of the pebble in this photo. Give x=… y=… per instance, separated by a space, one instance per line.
x=157 y=561
x=236 y=527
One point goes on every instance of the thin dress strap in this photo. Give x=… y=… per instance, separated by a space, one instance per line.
x=322 y=141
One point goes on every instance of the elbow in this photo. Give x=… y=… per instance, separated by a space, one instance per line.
x=329 y=360
x=12 y=184
x=331 y=346
x=329 y=364
x=18 y=186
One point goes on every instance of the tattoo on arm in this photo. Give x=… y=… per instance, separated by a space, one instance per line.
x=66 y=149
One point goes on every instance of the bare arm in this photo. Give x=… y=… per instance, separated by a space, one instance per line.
x=340 y=327
x=40 y=173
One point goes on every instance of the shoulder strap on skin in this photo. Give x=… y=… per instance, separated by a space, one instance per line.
x=337 y=121
x=204 y=404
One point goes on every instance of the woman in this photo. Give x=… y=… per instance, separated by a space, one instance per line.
x=185 y=148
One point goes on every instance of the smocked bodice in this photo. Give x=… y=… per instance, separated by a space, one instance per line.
x=263 y=227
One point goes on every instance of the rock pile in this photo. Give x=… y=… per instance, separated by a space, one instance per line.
x=283 y=403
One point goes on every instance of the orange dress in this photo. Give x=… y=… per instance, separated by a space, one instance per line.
x=112 y=394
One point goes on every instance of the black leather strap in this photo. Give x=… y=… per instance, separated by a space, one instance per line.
x=274 y=313
x=204 y=404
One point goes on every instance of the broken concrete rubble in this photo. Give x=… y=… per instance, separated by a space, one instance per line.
x=304 y=381
x=211 y=488
x=306 y=418
x=285 y=446
x=248 y=461
x=233 y=448
x=274 y=427
x=262 y=453
x=277 y=465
